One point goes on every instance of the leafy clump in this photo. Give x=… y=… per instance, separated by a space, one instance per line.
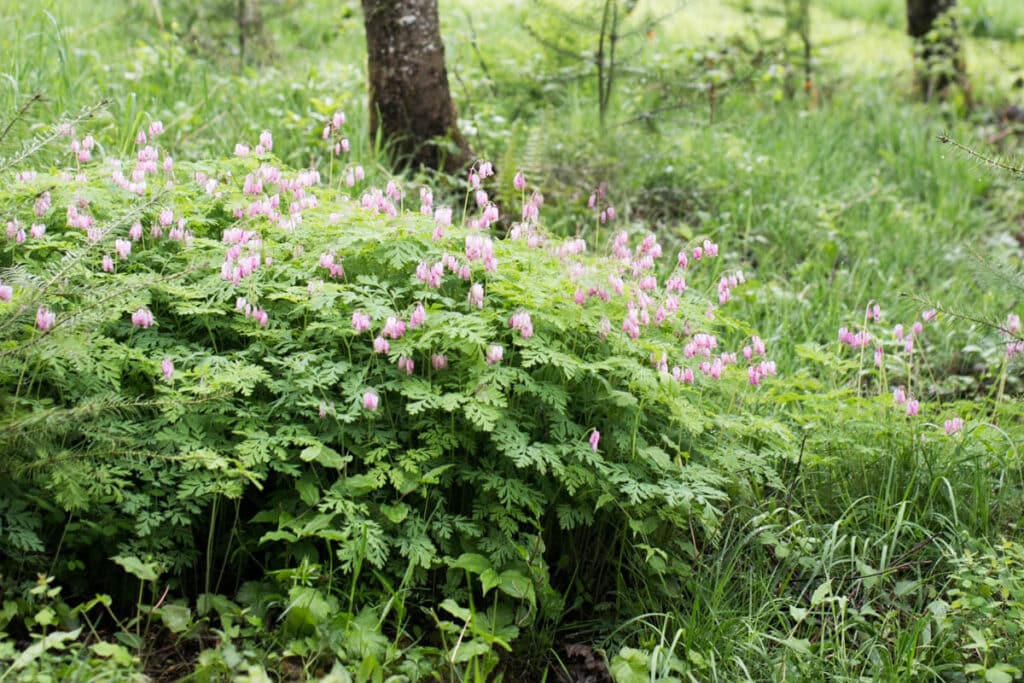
x=229 y=369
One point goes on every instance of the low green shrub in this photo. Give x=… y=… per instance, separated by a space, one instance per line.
x=223 y=371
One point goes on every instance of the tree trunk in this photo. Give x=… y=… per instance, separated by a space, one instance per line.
x=940 y=60
x=410 y=103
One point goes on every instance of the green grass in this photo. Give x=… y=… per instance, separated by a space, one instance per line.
x=826 y=203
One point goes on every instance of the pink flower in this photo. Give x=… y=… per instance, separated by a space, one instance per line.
x=1013 y=323
x=393 y=328
x=6 y=292
x=360 y=322
x=899 y=395
x=476 y=295
x=418 y=317
x=698 y=253
x=595 y=439
x=406 y=363
x=135 y=232
x=241 y=150
x=917 y=327
x=439 y=361
x=913 y=407
x=37 y=230
x=156 y=128
x=521 y=321
x=519 y=181
x=879 y=356
x=108 y=264
x=929 y=315
x=381 y=345
x=371 y=400
x=123 y=248
x=167 y=368
x=45 y=318
x=495 y=353
x=954 y=426
x=142 y=318
x=266 y=140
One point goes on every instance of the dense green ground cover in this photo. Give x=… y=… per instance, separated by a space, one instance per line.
x=252 y=486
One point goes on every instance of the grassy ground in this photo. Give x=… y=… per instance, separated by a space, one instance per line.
x=828 y=199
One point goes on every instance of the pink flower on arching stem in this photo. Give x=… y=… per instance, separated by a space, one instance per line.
x=156 y=128
x=267 y=140
x=6 y=292
x=521 y=321
x=879 y=356
x=698 y=253
x=45 y=318
x=476 y=295
x=167 y=368
x=954 y=426
x=360 y=322
x=108 y=264
x=519 y=181
x=929 y=315
x=37 y=230
x=439 y=361
x=917 y=327
x=495 y=353
x=595 y=439
x=135 y=232
x=1013 y=323
x=123 y=248
x=407 y=364
x=371 y=400
x=381 y=345
x=899 y=395
x=913 y=407
x=604 y=328
x=393 y=328
x=418 y=317
x=142 y=318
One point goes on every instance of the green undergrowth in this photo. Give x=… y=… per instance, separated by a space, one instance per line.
x=211 y=497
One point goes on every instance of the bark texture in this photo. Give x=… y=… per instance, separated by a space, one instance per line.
x=921 y=19
x=410 y=102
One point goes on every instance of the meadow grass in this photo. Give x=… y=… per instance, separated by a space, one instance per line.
x=828 y=202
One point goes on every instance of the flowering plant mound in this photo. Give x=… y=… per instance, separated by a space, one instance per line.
x=228 y=363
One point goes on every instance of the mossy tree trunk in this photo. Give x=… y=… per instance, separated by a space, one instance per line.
x=936 y=44
x=410 y=103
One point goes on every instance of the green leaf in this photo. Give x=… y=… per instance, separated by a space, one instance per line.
x=630 y=666
x=323 y=455
x=517 y=585
x=799 y=645
x=821 y=592
x=144 y=571
x=176 y=618
x=117 y=653
x=471 y=562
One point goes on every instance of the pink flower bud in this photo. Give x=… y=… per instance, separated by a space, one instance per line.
x=167 y=368
x=371 y=400
x=595 y=439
